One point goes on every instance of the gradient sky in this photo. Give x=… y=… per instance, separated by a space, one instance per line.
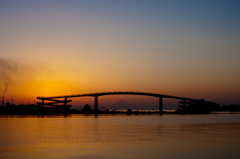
x=188 y=48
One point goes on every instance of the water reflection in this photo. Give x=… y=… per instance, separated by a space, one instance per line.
x=121 y=136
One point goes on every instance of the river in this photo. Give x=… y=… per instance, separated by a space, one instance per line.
x=121 y=136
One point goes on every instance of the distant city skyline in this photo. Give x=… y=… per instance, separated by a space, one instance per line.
x=187 y=48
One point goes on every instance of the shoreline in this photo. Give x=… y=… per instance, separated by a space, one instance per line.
x=114 y=113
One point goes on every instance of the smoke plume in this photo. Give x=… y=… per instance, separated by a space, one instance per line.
x=7 y=68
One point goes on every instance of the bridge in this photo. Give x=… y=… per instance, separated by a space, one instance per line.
x=53 y=100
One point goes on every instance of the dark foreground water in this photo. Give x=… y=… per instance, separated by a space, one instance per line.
x=121 y=136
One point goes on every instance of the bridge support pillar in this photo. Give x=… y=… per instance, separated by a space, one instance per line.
x=160 y=106
x=65 y=107
x=184 y=104
x=42 y=107
x=42 y=103
x=96 y=104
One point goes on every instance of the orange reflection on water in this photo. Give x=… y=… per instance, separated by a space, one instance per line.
x=119 y=136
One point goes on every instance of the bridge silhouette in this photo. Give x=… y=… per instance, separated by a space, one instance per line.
x=53 y=100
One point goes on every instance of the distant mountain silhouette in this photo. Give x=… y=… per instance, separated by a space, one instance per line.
x=121 y=104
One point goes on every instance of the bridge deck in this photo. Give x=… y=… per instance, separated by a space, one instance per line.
x=118 y=93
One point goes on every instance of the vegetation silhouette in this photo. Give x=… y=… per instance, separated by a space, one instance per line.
x=199 y=107
x=86 y=109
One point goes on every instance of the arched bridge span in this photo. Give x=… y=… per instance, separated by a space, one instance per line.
x=55 y=99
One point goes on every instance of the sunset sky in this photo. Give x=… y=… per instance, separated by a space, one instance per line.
x=188 y=48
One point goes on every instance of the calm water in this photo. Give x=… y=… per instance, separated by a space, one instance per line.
x=121 y=136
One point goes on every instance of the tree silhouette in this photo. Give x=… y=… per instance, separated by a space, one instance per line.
x=86 y=108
